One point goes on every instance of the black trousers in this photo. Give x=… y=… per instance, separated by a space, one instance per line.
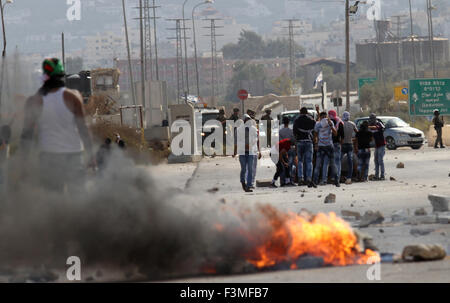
x=439 y=137
x=282 y=172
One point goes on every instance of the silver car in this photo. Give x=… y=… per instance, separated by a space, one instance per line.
x=398 y=133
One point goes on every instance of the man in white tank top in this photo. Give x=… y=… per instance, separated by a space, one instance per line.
x=56 y=115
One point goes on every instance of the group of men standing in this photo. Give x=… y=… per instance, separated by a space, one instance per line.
x=327 y=140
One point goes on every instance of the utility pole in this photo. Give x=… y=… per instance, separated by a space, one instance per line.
x=292 y=66
x=148 y=49
x=154 y=7
x=2 y=8
x=185 y=49
x=130 y=69
x=431 y=36
x=214 y=69
x=399 y=23
x=141 y=29
x=180 y=75
x=347 y=55
x=197 y=77
x=63 y=50
x=378 y=55
x=412 y=40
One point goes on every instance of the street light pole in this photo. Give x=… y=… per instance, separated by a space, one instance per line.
x=412 y=40
x=185 y=50
x=347 y=54
x=195 y=44
x=2 y=7
x=3 y=27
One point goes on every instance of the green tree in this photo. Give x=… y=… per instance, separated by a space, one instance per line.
x=252 y=46
x=280 y=48
x=249 y=46
x=376 y=96
x=282 y=85
x=244 y=71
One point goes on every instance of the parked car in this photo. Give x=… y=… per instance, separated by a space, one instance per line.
x=398 y=133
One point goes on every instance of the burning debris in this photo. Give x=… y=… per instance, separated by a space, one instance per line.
x=281 y=239
x=161 y=235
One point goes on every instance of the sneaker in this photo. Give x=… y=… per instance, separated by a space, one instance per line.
x=323 y=183
x=312 y=184
x=376 y=178
x=244 y=186
x=348 y=181
x=292 y=183
x=337 y=184
x=382 y=178
x=442 y=146
x=248 y=190
x=273 y=185
x=301 y=182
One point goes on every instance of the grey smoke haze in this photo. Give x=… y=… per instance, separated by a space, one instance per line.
x=124 y=220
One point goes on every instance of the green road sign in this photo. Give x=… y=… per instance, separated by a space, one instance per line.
x=426 y=95
x=364 y=81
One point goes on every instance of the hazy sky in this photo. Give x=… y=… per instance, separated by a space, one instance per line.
x=36 y=25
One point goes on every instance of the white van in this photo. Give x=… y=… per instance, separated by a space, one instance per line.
x=293 y=115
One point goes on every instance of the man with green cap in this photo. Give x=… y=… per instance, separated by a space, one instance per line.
x=55 y=115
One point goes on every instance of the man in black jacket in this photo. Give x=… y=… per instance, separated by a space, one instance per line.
x=303 y=132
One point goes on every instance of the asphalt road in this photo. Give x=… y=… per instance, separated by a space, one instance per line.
x=426 y=171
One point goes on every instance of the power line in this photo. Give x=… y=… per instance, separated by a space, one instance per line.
x=178 y=41
x=148 y=53
x=292 y=65
x=154 y=17
x=214 y=65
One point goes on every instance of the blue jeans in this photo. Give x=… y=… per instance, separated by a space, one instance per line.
x=364 y=160
x=347 y=149
x=305 y=156
x=337 y=159
x=325 y=155
x=246 y=162
x=255 y=165
x=379 y=161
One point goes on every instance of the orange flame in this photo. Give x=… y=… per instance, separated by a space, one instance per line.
x=290 y=236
